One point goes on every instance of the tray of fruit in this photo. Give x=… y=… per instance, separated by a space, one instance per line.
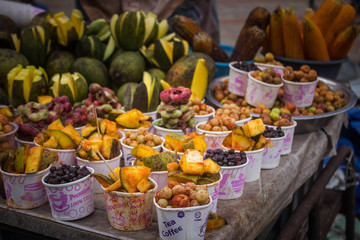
x=309 y=119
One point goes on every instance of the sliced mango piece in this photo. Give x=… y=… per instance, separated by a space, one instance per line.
x=115 y=186
x=34 y=159
x=117 y=172
x=65 y=142
x=132 y=175
x=145 y=185
x=211 y=167
x=71 y=132
x=51 y=143
x=143 y=151
x=192 y=162
x=129 y=119
x=56 y=125
x=102 y=179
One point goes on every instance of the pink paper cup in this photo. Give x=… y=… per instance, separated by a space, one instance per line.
x=182 y=223
x=289 y=137
x=73 y=200
x=238 y=80
x=130 y=211
x=271 y=156
x=261 y=93
x=299 y=93
x=100 y=167
x=232 y=182
x=205 y=118
x=25 y=191
x=213 y=139
x=162 y=132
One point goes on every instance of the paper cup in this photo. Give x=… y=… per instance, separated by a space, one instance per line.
x=73 y=200
x=271 y=156
x=7 y=141
x=24 y=191
x=205 y=118
x=162 y=132
x=238 y=80
x=78 y=129
x=213 y=139
x=289 y=136
x=261 y=93
x=66 y=156
x=232 y=182
x=263 y=66
x=242 y=121
x=299 y=93
x=128 y=158
x=179 y=154
x=100 y=167
x=182 y=223
x=22 y=143
x=130 y=211
x=160 y=177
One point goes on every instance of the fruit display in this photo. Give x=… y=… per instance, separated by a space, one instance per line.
x=277 y=117
x=193 y=168
x=219 y=124
x=273 y=133
x=233 y=111
x=304 y=74
x=174 y=111
x=27 y=160
x=66 y=174
x=56 y=136
x=199 y=108
x=248 y=137
x=175 y=195
x=25 y=84
x=268 y=75
x=107 y=145
x=178 y=143
x=226 y=158
x=267 y=59
x=324 y=35
x=244 y=66
x=156 y=162
x=142 y=136
x=128 y=179
x=133 y=119
x=106 y=127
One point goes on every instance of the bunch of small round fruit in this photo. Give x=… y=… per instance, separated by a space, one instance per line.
x=268 y=75
x=142 y=136
x=234 y=111
x=219 y=124
x=199 y=108
x=305 y=74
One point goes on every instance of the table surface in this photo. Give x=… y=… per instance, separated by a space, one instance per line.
x=246 y=216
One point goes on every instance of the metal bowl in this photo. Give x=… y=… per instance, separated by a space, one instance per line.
x=305 y=123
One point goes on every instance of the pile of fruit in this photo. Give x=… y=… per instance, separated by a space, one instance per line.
x=199 y=108
x=277 y=117
x=273 y=133
x=305 y=74
x=226 y=158
x=233 y=111
x=126 y=179
x=175 y=195
x=27 y=160
x=66 y=174
x=268 y=75
x=174 y=110
x=267 y=59
x=248 y=137
x=142 y=136
x=219 y=124
x=178 y=143
x=244 y=66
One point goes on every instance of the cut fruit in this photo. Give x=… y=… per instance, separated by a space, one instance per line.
x=56 y=125
x=211 y=167
x=34 y=159
x=115 y=186
x=71 y=132
x=117 y=172
x=129 y=119
x=51 y=143
x=102 y=179
x=145 y=185
x=65 y=142
x=131 y=176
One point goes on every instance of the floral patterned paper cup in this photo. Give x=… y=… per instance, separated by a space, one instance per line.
x=289 y=136
x=100 y=167
x=130 y=211
x=271 y=156
x=182 y=223
x=73 y=200
x=232 y=182
x=213 y=139
x=162 y=132
x=258 y=92
x=205 y=118
x=25 y=191
x=238 y=80
x=299 y=93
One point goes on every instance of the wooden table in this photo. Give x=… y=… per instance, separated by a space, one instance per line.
x=247 y=216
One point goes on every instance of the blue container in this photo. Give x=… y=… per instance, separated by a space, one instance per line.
x=222 y=69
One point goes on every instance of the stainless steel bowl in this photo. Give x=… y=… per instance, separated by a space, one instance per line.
x=305 y=123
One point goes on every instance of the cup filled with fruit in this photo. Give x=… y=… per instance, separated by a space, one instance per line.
x=238 y=76
x=70 y=191
x=203 y=172
x=132 y=120
x=182 y=210
x=7 y=134
x=22 y=170
x=128 y=193
x=178 y=144
x=233 y=169
x=203 y=112
x=263 y=87
x=299 y=86
x=271 y=156
x=240 y=114
x=175 y=114
x=156 y=161
x=276 y=118
x=133 y=139
x=263 y=62
x=60 y=139
x=96 y=145
x=250 y=139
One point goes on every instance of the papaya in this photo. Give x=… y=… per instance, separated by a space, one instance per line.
x=182 y=72
x=59 y=61
x=132 y=175
x=93 y=70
